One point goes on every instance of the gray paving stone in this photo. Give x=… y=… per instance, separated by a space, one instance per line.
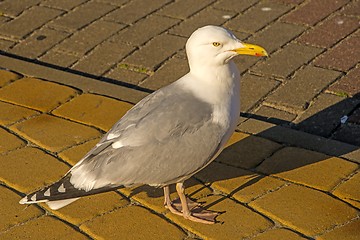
x=208 y=16
x=86 y=39
x=286 y=61
x=185 y=8
x=27 y=23
x=39 y=42
x=63 y=4
x=305 y=85
x=135 y=10
x=57 y=58
x=15 y=7
x=126 y=75
x=156 y=51
x=274 y=115
x=145 y=29
x=82 y=15
x=257 y=17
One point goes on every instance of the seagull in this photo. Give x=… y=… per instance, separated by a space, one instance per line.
x=168 y=136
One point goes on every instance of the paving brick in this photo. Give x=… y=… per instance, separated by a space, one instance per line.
x=330 y=31
x=253 y=89
x=237 y=221
x=6 y=44
x=349 y=84
x=276 y=35
x=86 y=39
x=90 y=207
x=144 y=30
x=247 y=151
x=13 y=113
x=307 y=167
x=9 y=141
x=126 y=75
x=295 y=2
x=7 y=76
x=329 y=107
x=27 y=23
x=355 y=116
x=54 y=133
x=50 y=227
x=352 y=9
x=82 y=15
x=39 y=42
x=234 y=5
x=156 y=51
x=286 y=61
x=15 y=7
x=13 y=214
x=181 y=9
x=313 y=11
x=208 y=16
x=74 y=154
x=103 y=57
x=171 y=71
x=348 y=133
x=114 y=2
x=315 y=79
x=27 y=169
x=62 y=59
x=349 y=232
x=128 y=227
x=275 y=115
x=305 y=210
x=64 y=4
x=258 y=16
x=36 y=94
x=131 y=12
x=90 y=109
x=348 y=190
x=278 y=234
x=343 y=56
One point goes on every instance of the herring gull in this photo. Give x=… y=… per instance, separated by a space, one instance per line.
x=169 y=135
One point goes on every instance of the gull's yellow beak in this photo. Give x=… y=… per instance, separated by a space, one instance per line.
x=251 y=49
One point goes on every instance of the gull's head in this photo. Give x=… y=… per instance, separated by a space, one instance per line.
x=213 y=45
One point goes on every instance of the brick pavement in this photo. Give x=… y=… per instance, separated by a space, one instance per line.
x=73 y=62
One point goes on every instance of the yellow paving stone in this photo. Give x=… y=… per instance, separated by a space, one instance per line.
x=237 y=221
x=131 y=222
x=247 y=151
x=278 y=234
x=95 y=110
x=11 y=113
x=89 y=207
x=36 y=94
x=9 y=141
x=28 y=169
x=13 y=213
x=153 y=198
x=74 y=154
x=305 y=210
x=350 y=231
x=308 y=167
x=7 y=76
x=349 y=190
x=54 y=133
x=43 y=228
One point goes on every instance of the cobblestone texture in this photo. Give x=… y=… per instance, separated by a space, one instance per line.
x=96 y=58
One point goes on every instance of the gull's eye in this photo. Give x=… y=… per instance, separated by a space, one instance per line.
x=216 y=44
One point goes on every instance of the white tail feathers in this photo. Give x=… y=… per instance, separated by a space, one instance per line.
x=55 y=205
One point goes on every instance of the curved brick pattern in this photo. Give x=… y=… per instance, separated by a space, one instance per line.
x=349 y=231
x=9 y=141
x=237 y=221
x=305 y=210
x=140 y=224
x=307 y=167
x=50 y=228
x=14 y=214
x=36 y=94
x=24 y=169
x=348 y=191
x=53 y=133
x=13 y=113
x=278 y=234
x=94 y=110
x=6 y=77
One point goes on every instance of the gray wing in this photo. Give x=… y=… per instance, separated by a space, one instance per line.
x=167 y=136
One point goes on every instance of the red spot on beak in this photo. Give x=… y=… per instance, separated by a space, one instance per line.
x=258 y=54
